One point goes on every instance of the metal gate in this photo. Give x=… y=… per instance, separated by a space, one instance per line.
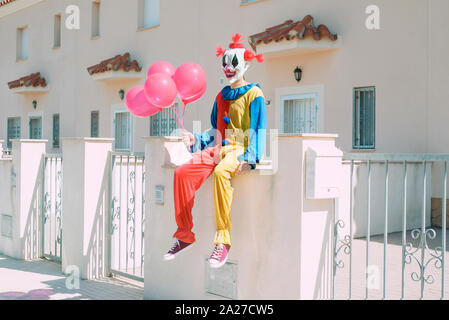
x=386 y=246
x=51 y=207
x=127 y=214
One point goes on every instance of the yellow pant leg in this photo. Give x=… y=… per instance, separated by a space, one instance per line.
x=223 y=192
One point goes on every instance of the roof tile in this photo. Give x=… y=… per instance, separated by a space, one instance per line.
x=115 y=63
x=33 y=79
x=290 y=30
x=5 y=2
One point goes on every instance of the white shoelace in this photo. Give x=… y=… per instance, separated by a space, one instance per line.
x=175 y=244
x=217 y=252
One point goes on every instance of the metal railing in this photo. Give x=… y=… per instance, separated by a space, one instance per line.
x=127 y=214
x=429 y=262
x=51 y=206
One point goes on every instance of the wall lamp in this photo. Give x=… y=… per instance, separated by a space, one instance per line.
x=298 y=73
x=121 y=94
x=34 y=104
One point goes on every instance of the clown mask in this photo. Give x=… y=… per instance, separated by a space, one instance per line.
x=234 y=65
x=236 y=59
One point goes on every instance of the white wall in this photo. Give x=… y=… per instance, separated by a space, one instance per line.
x=404 y=59
x=280 y=241
x=7 y=196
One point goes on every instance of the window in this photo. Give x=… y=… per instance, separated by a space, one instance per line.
x=161 y=124
x=248 y=1
x=13 y=131
x=364 y=118
x=94 y=124
x=299 y=113
x=56 y=131
x=22 y=43
x=57 y=31
x=148 y=13
x=35 y=128
x=122 y=130
x=95 y=19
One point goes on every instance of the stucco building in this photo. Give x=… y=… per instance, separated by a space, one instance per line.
x=380 y=89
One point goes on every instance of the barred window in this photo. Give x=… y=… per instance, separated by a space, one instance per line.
x=299 y=113
x=13 y=131
x=35 y=126
x=123 y=131
x=94 y=124
x=364 y=118
x=56 y=131
x=161 y=124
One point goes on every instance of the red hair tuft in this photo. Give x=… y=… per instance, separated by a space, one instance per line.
x=220 y=51
x=249 y=55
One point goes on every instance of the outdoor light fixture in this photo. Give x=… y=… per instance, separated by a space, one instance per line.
x=121 y=93
x=34 y=104
x=298 y=74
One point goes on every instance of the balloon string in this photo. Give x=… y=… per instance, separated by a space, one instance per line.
x=177 y=115
x=183 y=112
x=163 y=109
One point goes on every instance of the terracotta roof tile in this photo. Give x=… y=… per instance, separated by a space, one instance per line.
x=5 y=2
x=33 y=79
x=290 y=30
x=116 y=63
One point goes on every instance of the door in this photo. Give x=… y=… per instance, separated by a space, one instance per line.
x=36 y=128
x=122 y=130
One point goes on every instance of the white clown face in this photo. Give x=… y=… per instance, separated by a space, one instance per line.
x=234 y=65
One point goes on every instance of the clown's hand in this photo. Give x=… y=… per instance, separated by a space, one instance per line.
x=188 y=138
x=243 y=168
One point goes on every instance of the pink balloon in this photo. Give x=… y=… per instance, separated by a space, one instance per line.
x=160 y=90
x=190 y=81
x=161 y=67
x=138 y=104
x=195 y=97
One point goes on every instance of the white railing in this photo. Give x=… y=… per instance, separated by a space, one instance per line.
x=405 y=180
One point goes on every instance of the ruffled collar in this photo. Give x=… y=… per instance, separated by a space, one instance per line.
x=231 y=94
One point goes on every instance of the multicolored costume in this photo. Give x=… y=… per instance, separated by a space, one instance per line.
x=235 y=112
x=237 y=135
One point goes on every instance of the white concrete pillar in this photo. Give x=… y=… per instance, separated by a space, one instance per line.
x=26 y=187
x=85 y=203
x=281 y=240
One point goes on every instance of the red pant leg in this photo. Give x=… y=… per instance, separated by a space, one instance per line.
x=187 y=179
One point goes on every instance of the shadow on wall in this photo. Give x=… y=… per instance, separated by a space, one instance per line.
x=98 y=246
x=30 y=242
x=325 y=263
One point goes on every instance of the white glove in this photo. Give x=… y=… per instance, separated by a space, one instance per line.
x=188 y=138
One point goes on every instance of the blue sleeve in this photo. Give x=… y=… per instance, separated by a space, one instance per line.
x=257 y=132
x=207 y=138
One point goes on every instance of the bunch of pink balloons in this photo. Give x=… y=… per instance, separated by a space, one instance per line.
x=163 y=84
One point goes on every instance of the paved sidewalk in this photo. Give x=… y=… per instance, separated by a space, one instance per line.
x=43 y=280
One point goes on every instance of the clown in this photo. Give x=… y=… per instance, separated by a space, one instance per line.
x=234 y=145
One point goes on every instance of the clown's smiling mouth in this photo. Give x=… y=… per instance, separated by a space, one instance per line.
x=229 y=74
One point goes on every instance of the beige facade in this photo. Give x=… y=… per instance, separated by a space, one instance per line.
x=406 y=60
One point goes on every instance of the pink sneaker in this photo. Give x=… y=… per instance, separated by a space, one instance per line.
x=219 y=255
x=178 y=247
